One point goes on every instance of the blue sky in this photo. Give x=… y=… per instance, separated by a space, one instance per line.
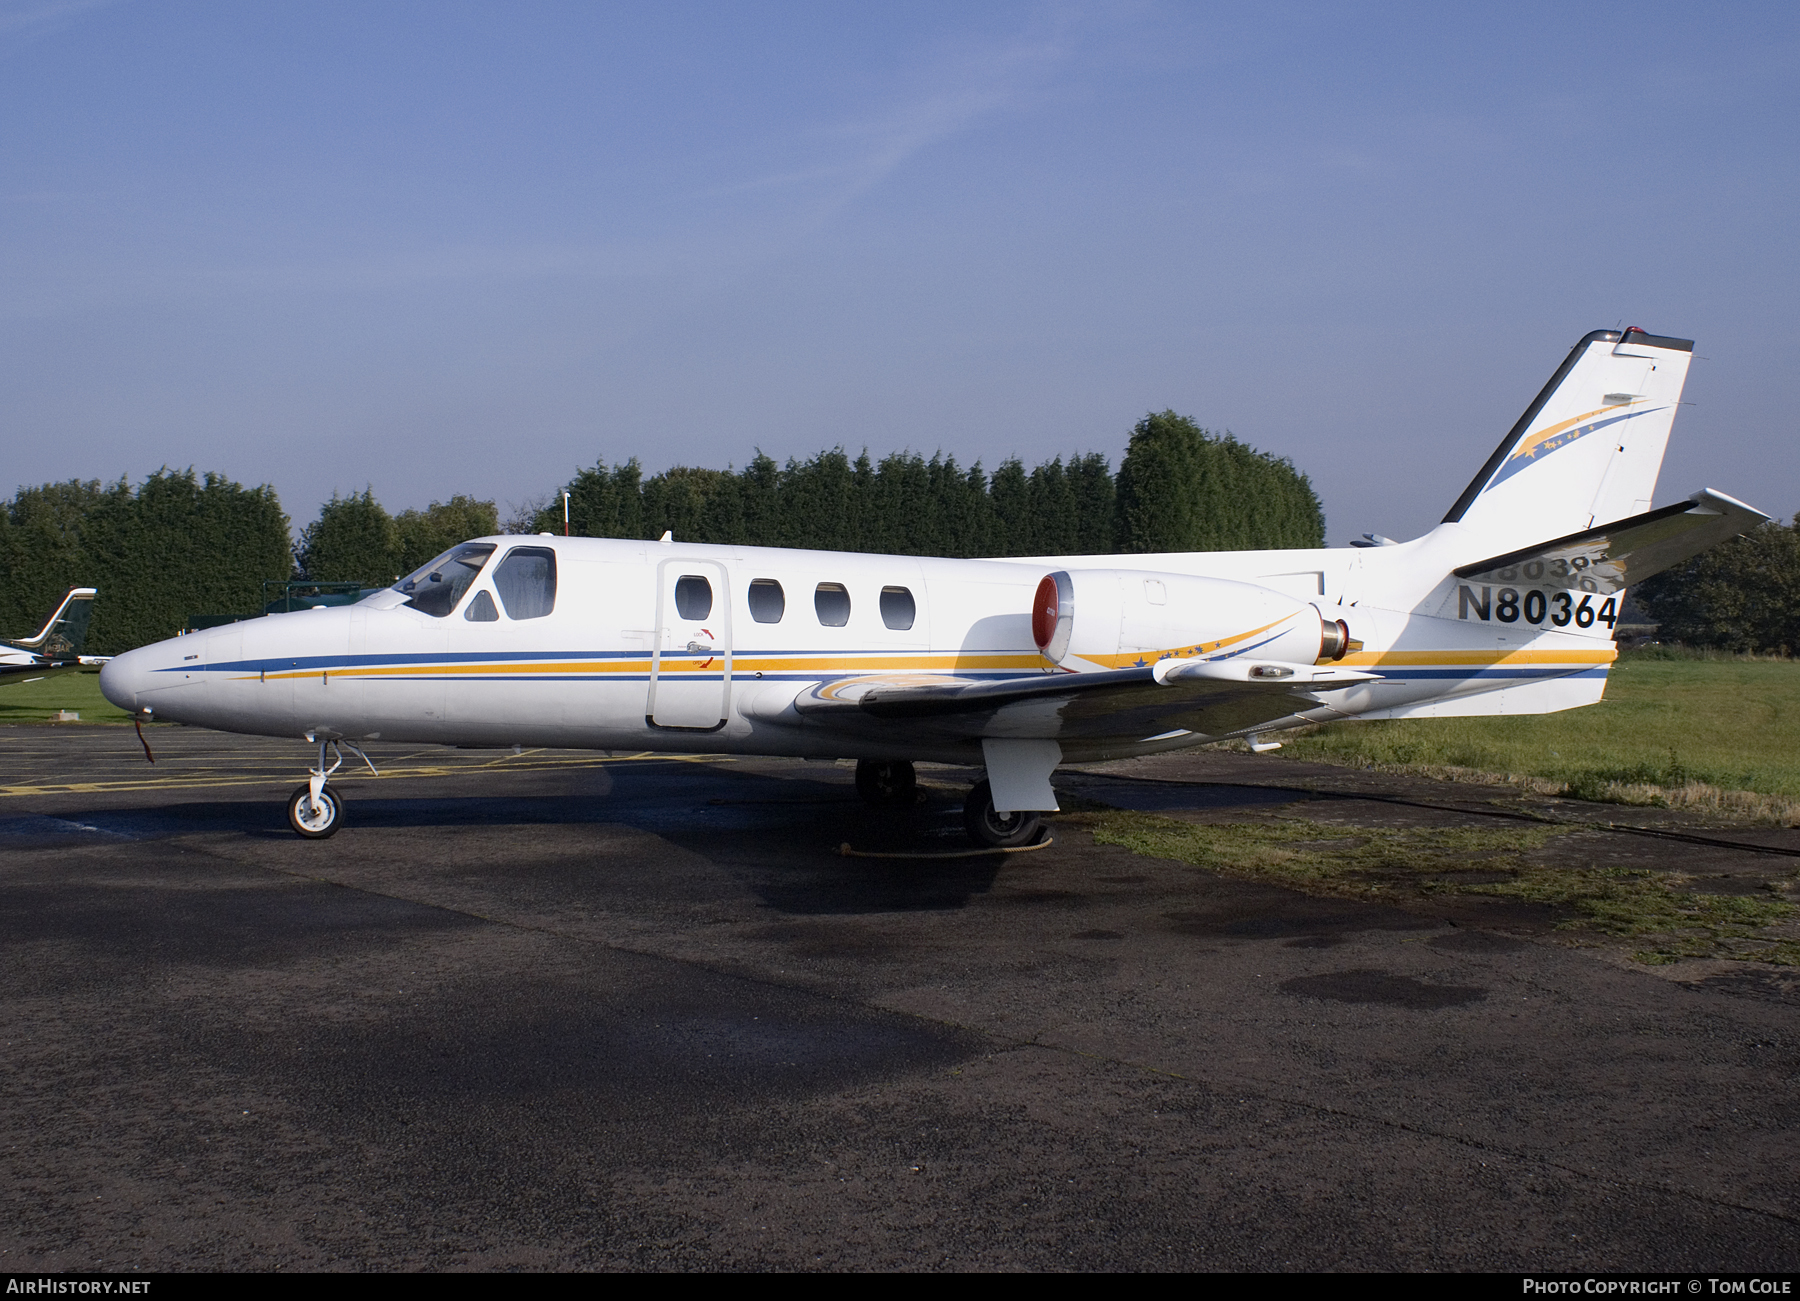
x=441 y=248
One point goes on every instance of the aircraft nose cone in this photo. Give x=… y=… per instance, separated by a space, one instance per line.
x=122 y=677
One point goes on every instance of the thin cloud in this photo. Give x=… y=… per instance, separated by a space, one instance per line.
x=975 y=84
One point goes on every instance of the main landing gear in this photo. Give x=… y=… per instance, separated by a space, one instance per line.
x=887 y=783
x=995 y=830
x=892 y=784
x=313 y=811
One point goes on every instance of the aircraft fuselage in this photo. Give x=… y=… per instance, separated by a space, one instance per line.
x=687 y=647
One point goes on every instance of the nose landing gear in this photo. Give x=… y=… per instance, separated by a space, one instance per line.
x=313 y=811
x=314 y=816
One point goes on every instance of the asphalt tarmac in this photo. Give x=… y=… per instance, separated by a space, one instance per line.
x=564 y=1011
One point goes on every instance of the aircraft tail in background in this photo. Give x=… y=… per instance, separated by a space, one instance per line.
x=56 y=647
x=65 y=631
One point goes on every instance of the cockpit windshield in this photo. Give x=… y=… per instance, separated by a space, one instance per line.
x=435 y=588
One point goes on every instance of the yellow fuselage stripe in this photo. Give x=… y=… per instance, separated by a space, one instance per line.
x=825 y=662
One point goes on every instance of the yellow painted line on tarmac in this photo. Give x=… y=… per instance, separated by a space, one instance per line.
x=203 y=781
x=165 y=783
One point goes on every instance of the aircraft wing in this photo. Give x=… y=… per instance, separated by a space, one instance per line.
x=18 y=671
x=1217 y=698
x=1614 y=556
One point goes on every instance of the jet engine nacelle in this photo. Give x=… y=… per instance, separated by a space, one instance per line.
x=1105 y=616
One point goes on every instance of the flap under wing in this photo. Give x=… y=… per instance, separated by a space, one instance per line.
x=1215 y=698
x=1615 y=556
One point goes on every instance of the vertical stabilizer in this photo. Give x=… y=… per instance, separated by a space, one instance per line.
x=1588 y=450
x=64 y=633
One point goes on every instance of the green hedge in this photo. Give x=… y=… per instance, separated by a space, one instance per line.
x=180 y=544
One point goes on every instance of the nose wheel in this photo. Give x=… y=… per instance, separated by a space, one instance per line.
x=990 y=828
x=314 y=817
x=314 y=811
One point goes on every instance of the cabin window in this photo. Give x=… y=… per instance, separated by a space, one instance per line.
x=526 y=581
x=435 y=588
x=481 y=609
x=897 y=608
x=767 y=601
x=693 y=597
x=832 y=602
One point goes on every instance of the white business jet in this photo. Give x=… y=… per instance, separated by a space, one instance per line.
x=1017 y=665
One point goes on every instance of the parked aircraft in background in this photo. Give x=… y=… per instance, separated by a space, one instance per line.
x=57 y=646
x=1016 y=665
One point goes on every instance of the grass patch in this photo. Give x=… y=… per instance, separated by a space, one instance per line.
x=1684 y=731
x=1395 y=864
x=35 y=702
x=1638 y=905
x=1336 y=858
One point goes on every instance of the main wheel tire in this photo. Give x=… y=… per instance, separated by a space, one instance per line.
x=315 y=821
x=992 y=829
x=887 y=783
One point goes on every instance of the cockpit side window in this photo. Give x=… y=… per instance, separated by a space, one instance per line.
x=435 y=588
x=526 y=581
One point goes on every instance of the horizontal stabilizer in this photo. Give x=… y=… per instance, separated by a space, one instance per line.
x=1614 y=556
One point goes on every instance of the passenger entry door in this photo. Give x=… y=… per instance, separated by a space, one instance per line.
x=690 y=660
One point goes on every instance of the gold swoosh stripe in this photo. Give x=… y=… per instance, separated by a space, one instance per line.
x=1132 y=659
x=1530 y=445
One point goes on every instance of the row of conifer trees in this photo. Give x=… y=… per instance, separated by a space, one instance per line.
x=1179 y=488
x=178 y=545
x=174 y=545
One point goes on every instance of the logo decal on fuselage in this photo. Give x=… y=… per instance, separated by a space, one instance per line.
x=1539 y=445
